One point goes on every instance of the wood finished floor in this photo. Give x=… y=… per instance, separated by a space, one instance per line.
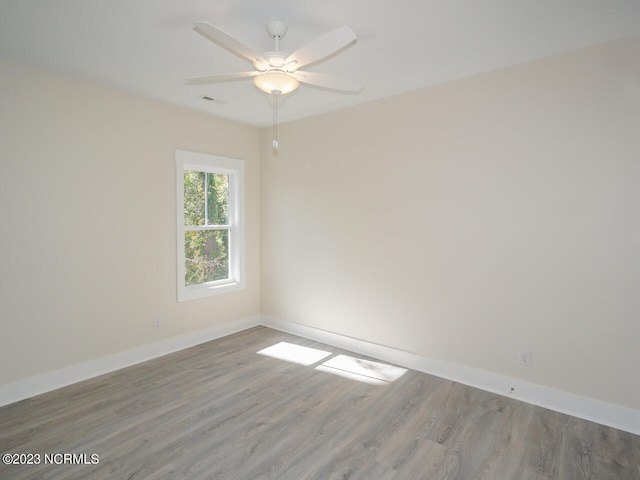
x=222 y=411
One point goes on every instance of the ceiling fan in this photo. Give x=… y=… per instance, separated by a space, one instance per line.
x=277 y=72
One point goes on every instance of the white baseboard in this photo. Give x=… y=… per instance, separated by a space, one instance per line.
x=29 y=387
x=582 y=407
x=575 y=405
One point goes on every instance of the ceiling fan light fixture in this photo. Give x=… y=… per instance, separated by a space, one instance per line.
x=276 y=82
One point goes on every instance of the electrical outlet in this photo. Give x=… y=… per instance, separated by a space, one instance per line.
x=157 y=324
x=525 y=358
x=300 y=308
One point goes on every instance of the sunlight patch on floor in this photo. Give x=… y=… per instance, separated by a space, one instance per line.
x=295 y=353
x=365 y=371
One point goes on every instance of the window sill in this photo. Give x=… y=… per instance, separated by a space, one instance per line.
x=203 y=291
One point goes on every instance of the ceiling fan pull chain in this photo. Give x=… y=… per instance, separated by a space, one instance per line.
x=276 y=93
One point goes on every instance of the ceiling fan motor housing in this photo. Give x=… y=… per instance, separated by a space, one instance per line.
x=275 y=59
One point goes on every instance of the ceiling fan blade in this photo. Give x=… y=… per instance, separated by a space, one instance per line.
x=323 y=47
x=328 y=82
x=223 y=77
x=236 y=47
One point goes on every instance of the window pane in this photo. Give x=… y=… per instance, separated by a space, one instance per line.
x=206 y=256
x=194 y=204
x=217 y=199
x=206 y=198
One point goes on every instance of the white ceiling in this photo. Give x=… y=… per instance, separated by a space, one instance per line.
x=149 y=46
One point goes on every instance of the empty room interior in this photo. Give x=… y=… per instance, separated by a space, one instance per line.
x=421 y=262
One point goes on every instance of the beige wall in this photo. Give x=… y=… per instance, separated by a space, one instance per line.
x=87 y=209
x=468 y=221
x=462 y=222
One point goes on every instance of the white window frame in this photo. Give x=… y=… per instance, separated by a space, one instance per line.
x=186 y=160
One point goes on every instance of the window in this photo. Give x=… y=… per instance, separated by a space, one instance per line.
x=210 y=218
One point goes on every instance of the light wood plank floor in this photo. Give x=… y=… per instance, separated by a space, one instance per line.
x=222 y=411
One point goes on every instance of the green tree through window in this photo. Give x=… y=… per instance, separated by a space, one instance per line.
x=206 y=204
